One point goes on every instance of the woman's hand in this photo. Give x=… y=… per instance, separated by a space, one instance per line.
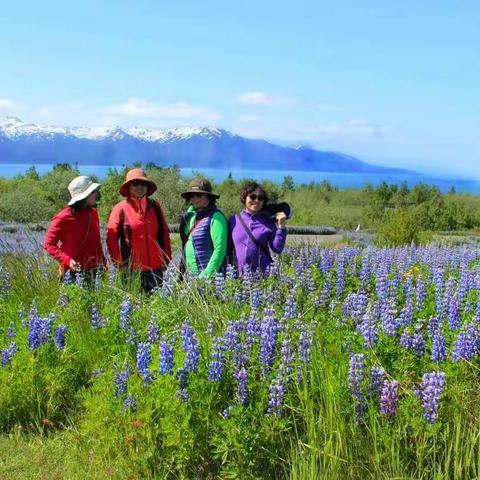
x=74 y=265
x=281 y=220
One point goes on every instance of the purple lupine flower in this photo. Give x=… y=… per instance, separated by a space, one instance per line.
x=286 y=359
x=304 y=348
x=439 y=349
x=389 y=398
x=39 y=329
x=97 y=281
x=276 y=393
x=217 y=364
x=230 y=272
x=466 y=344
x=438 y=281
x=406 y=315
x=190 y=347
x=252 y=330
x=182 y=375
x=368 y=330
x=68 y=278
x=130 y=403
x=183 y=395
x=153 y=332
x=95 y=317
x=59 y=337
x=448 y=295
x=387 y=317
x=8 y=353
x=430 y=392
x=434 y=324
x=307 y=281
x=255 y=298
x=268 y=341
x=62 y=299
x=365 y=271
x=356 y=369
x=421 y=295
x=125 y=313
x=241 y=377
x=291 y=310
x=340 y=283
x=454 y=319
x=168 y=282
x=381 y=280
x=219 y=285
x=377 y=376
x=144 y=359
x=120 y=381
x=226 y=412
x=325 y=293
x=11 y=331
x=418 y=344
x=96 y=321
x=166 y=357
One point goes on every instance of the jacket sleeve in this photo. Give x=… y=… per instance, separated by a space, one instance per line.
x=113 y=229
x=100 y=246
x=166 y=237
x=277 y=240
x=218 y=234
x=53 y=237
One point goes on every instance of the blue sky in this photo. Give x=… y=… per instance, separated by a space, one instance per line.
x=394 y=83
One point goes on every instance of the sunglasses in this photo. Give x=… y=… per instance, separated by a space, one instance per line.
x=254 y=197
x=192 y=195
x=139 y=183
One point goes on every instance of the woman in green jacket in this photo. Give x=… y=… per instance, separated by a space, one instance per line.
x=203 y=230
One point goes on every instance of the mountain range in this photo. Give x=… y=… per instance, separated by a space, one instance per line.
x=194 y=147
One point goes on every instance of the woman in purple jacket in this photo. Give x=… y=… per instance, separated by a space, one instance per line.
x=254 y=232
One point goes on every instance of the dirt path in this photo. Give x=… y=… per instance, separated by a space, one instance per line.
x=294 y=240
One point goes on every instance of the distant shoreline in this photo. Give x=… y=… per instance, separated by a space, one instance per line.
x=342 y=180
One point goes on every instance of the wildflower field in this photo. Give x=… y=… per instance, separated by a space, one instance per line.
x=343 y=362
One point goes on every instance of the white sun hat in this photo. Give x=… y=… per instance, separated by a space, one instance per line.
x=80 y=188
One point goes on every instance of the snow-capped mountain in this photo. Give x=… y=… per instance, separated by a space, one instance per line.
x=195 y=147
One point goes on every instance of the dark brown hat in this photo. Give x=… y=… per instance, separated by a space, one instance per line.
x=199 y=185
x=137 y=174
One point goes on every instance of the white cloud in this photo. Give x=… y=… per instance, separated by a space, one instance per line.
x=354 y=127
x=8 y=106
x=249 y=118
x=142 y=109
x=257 y=98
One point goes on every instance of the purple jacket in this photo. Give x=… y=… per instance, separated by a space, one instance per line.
x=266 y=233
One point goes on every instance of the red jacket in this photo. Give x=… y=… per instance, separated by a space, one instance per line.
x=138 y=235
x=75 y=235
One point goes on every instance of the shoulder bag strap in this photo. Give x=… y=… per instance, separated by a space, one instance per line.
x=250 y=235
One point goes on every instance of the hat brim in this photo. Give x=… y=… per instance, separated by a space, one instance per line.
x=125 y=187
x=191 y=192
x=83 y=195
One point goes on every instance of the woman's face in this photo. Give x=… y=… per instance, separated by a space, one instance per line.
x=91 y=200
x=254 y=201
x=138 y=189
x=199 y=200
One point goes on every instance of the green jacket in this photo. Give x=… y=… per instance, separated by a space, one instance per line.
x=206 y=246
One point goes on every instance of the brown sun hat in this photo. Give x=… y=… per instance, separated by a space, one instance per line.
x=199 y=185
x=136 y=174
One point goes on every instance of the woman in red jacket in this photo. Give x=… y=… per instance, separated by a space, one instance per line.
x=138 y=238
x=73 y=236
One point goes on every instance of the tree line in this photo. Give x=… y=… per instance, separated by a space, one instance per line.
x=31 y=197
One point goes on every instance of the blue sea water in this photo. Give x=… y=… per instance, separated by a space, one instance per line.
x=342 y=180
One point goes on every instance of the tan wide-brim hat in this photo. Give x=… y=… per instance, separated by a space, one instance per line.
x=199 y=185
x=80 y=188
x=136 y=174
